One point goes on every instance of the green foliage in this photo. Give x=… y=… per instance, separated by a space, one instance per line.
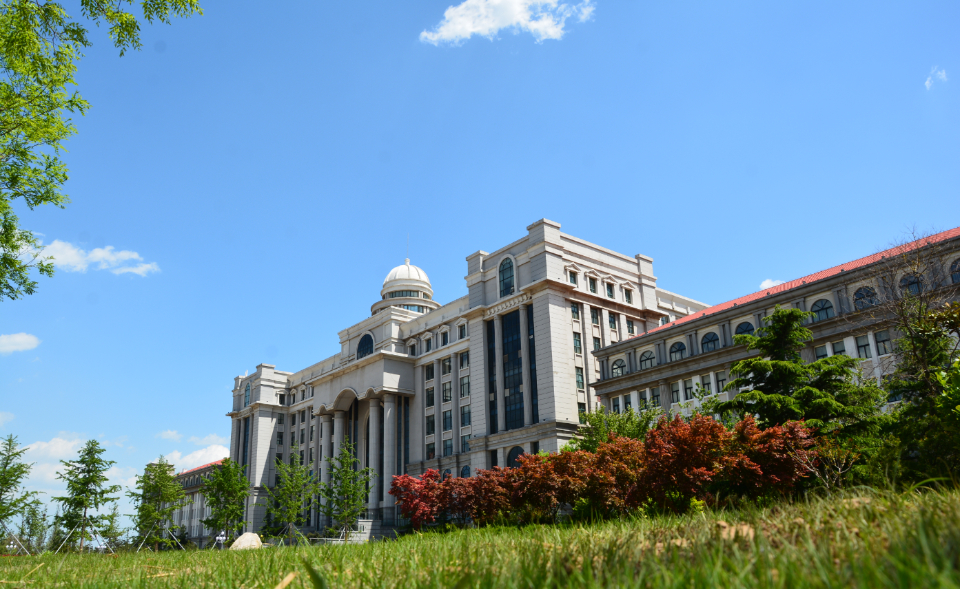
x=600 y=424
x=344 y=499
x=157 y=496
x=33 y=527
x=289 y=502
x=40 y=47
x=87 y=490
x=829 y=394
x=13 y=472
x=112 y=532
x=225 y=490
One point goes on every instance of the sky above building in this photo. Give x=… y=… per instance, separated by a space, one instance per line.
x=242 y=185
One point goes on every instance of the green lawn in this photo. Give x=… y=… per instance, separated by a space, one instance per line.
x=867 y=540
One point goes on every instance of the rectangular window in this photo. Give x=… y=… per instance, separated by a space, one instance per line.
x=612 y=321
x=280 y=417
x=609 y=290
x=655 y=396
x=627 y=402
x=628 y=296
x=863 y=347
x=575 y=310
x=428 y=371
x=675 y=392
x=444 y=338
x=431 y=425
x=279 y=439
x=465 y=443
x=705 y=383
x=884 y=346
x=616 y=404
x=630 y=329
x=839 y=348
x=293 y=418
x=412 y=350
x=577 y=347
x=303 y=416
x=464 y=415
x=462 y=331
x=303 y=436
x=293 y=438
x=447 y=391
x=579 y=378
x=581 y=408
x=431 y=450
x=721 y=380
x=593 y=285
x=311 y=433
x=279 y=459
x=448 y=447
x=573 y=277
x=595 y=316
x=820 y=352
x=687 y=389
x=596 y=344
x=464 y=360
x=429 y=344
x=446 y=365
x=431 y=400
x=283 y=399
x=447 y=420
x=464 y=386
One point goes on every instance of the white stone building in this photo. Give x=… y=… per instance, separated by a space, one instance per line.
x=460 y=386
x=195 y=509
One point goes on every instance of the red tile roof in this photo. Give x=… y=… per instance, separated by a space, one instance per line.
x=201 y=467
x=816 y=276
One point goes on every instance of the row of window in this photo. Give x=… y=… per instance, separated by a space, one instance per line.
x=864 y=349
x=446 y=366
x=448 y=451
x=447 y=417
x=444 y=340
x=412 y=294
x=447 y=391
x=612 y=318
x=609 y=287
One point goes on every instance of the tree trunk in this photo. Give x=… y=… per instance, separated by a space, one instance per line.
x=83 y=528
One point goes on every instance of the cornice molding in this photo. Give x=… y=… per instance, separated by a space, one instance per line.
x=506 y=305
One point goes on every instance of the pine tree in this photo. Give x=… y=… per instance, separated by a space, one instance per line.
x=157 y=496
x=111 y=531
x=226 y=490
x=345 y=497
x=294 y=494
x=87 y=489
x=13 y=473
x=33 y=526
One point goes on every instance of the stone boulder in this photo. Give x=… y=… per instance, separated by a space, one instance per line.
x=248 y=540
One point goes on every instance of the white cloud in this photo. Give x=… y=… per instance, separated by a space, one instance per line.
x=17 y=342
x=544 y=19
x=935 y=74
x=70 y=258
x=170 y=434
x=208 y=440
x=65 y=445
x=197 y=457
x=5 y=417
x=123 y=475
x=769 y=283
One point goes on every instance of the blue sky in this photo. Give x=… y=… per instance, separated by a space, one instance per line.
x=242 y=185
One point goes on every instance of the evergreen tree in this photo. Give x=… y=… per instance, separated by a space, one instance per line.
x=226 y=490
x=87 y=489
x=344 y=499
x=33 y=526
x=57 y=534
x=600 y=424
x=13 y=473
x=290 y=500
x=829 y=394
x=112 y=532
x=157 y=496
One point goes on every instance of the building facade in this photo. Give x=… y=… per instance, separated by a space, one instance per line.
x=665 y=366
x=195 y=509
x=460 y=386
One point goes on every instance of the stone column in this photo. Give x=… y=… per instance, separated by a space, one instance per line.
x=339 y=423
x=604 y=329
x=389 y=453
x=498 y=362
x=326 y=435
x=455 y=400
x=373 y=443
x=588 y=361
x=525 y=370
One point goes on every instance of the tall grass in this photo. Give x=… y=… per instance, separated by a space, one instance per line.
x=865 y=540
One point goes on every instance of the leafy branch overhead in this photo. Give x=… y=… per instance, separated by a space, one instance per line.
x=40 y=47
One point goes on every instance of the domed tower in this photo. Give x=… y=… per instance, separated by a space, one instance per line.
x=406 y=287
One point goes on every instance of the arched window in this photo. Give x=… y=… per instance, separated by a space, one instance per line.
x=864 y=298
x=955 y=271
x=506 y=277
x=646 y=360
x=246 y=395
x=365 y=347
x=911 y=284
x=677 y=351
x=619 y=368
x=745 y=328
x=823 y=310
x=512 y=456
x=446 y=473
x=465 y=472
x=710 y=342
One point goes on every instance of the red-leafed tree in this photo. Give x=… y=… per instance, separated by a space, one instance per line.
x=493 y=491
x=770 y=461
x=418 y=498
x=456 y=499
x=613 y=481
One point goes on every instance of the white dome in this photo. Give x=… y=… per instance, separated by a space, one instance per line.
x=406 y=273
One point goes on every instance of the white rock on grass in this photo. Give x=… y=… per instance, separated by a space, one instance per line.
x=248 y=540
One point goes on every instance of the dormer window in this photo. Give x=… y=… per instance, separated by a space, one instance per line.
x=628 y=296
x=593 y=285
x=412 y=350
x=506 y=277
x=609 y=290
x=573 y=278
x=444 y=338
x=429 y=344
x=364 y=348
x=461 y=331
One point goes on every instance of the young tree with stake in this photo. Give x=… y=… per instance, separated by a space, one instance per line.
x=345 y=497
x=87 y=489
x=226 y=490
x=157 y=496
x=13 y=472
x=290 y=500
